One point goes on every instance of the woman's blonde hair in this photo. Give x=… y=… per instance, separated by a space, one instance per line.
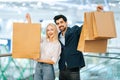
x=55 y=31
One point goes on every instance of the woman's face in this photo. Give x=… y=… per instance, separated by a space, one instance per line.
x=50 y=31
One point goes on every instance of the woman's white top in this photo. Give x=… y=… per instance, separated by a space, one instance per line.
x=50 y=50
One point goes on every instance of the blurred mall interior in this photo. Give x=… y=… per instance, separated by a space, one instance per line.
x=99 y=66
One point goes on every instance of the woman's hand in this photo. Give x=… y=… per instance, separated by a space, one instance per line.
x=36 y=59
x=28 y=18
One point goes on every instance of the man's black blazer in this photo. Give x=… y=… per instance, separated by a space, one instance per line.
x=69 y=53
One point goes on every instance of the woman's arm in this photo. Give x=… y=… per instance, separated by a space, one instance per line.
x=48 y=61
x=56 y=53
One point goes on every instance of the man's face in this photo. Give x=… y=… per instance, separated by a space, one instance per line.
x=61 y=24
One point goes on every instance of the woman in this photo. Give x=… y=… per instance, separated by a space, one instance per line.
x=50 y=51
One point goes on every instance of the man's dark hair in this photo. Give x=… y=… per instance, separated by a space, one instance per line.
x=60 y=16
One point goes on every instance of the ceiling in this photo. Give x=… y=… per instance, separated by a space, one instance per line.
x=46 y=9
x=55 y=4
x=10 y=7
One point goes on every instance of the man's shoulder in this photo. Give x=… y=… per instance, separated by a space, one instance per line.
x=76 y=27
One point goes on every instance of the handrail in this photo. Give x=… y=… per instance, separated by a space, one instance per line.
x=113 y=47
x=9 y=54
x=5 y=55
x=102 y=56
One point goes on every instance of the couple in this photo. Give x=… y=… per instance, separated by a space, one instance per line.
x=63 y=44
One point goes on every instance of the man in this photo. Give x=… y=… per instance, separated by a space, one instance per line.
x=71 y=60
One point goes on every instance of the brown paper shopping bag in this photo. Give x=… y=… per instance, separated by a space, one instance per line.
x=103 y=25
x=26 y=40
x=96 y=46
x=88 y=27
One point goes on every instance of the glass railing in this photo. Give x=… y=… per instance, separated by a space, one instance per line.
x=17 y=69
x=14 y=69
x=105 y=66
x=101 y=67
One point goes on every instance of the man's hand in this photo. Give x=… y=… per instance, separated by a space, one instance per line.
x=99 y=8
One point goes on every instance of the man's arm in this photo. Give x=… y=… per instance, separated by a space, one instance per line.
x=77 y=29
